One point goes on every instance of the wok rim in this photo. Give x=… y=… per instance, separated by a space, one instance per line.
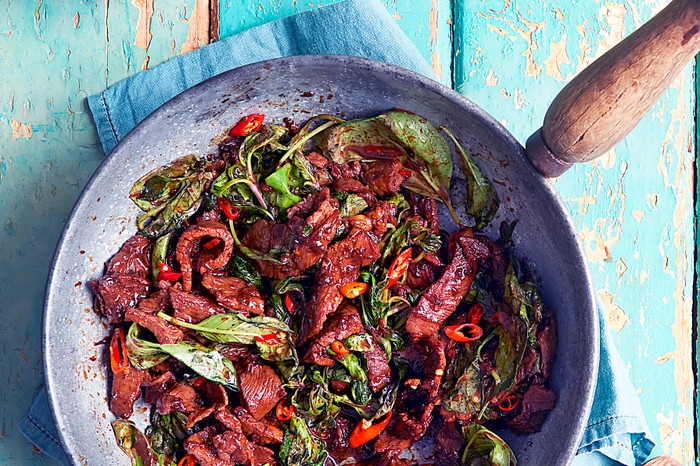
x=589 y=360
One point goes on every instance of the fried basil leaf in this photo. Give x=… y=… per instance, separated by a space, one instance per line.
x=169 y=195
x=167 y=432
x=485 y=448
x=206 y=362
x=299 y=447
x=242 y=268
x=465 y=396
x=352 y=205
x=482 y=200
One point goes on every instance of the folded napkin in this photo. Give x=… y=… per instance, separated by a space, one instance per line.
x=616 y=432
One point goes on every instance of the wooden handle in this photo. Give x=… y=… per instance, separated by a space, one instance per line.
x=602 y=104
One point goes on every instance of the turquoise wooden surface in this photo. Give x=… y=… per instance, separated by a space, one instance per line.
x=633 y=208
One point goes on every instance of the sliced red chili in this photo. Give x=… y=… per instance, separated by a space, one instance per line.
x=365 y=431
x=268 y=338
x=211 y=243
x=509 y=403
x=339 y=348
x=405 y=172
x=229 y=210
x=167 y=273
x=289 y=303
x=248 y=124
x=198 y=381
x=353 y=289
x=398 y=267
x=188 y=460
x=464 y=333
x=285 y=410
x=118 y=358
x=475 y=314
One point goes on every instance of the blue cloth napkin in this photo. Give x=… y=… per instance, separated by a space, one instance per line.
x=616 y=432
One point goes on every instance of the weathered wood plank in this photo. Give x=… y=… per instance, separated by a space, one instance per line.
x=53 y=54
x=427 y=23
x=633 y=207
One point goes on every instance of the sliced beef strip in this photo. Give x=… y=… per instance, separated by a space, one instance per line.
x=262 y=456
x=180 y=397
x=345 y=170
x=448 y=442
x=381 y=216
x=536 y=403
x=211 y=397
x=547 y=340
x=126 y=389
x=378 y=370
x=343 y=323
x=260 y=389
x=193 y=308
x=158 y=387
x=317 y=159
x=424 y=210
x=384 y=176
x=262 y=432
x=115 y=293
x=311 y=227
x=439 y=301
x=420 y=275
x=234 y=293
x=418 y=395
x=164 y=332
x=232 y=447
x=134 y=258
x=189 y=245
x=340 y=265
x=201 y=446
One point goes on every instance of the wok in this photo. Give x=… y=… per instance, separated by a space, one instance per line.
x=589 y=116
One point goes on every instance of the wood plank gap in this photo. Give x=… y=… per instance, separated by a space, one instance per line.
x=696 y=257
x=458 y=26
x=214 y=21
x=453 y=6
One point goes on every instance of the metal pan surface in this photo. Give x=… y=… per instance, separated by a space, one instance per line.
x=299 y=87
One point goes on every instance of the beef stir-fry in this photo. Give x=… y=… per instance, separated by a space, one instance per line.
x=294 y=300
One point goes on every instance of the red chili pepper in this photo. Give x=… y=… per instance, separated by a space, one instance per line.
x=167 y=273
x=364 y=431
x=268 y=338
x=353 y=289
x=475 y=313
x=188 y=460
x=248 y=124
x=229 y=211
x=117 y=352
x=289 y=303
x=398 y=267
x=211 y=243
x=198 y=381
x=457 y=332
x=339 y=348
x=285 y=410
x=509 y=403
x=405 y=172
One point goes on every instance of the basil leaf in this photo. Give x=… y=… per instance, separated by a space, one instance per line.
x=465 y=396
x=360 y=140
x=167 y=432
x=243 y=269
x=482 y=199
x=299 y=447
x=485 y=447
x=132 y=442
x=159 y=254
x=206 y=362
x=353 y=205
x=359 y=387
x=282 y=181
x=170 y=195
x=233 y=327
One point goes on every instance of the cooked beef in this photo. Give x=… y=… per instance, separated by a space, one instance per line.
x=180 y=397
x=260 y=389
x=210 y=397
x=262 y=456
x=340 y=265
x=134 y=258
x=439 y=301
x=378 y=371
x=232 y=447
x=158 y=387
x=418 y=395
x=448 y=443
x=382 y=215
x=200 y=445
x=126 y=389
x=343 y=323
x=340 y=437
x=303 y=240
x=536 y=403
x=164 y=332
x=263 y=432
x=420 y=275
x=384 y=176
x=424 y=210
x=191 y=307
x=115 y=293
x=345 y=170
x=234 y=293
x=190 y=245
x=317 y=160
x=547 y=340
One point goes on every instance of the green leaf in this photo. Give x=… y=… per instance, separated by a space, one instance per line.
x=167 y=432
x=359 y=387
x=353 y=205
x=299 y=447
x=160 y=252
x=242 y=268
x=206 y=362
x=169 y=195
x=465 y=396
x=485 y=448
x=282 y=181
x=349 y=141
x=482 y=199
x=233 y=327
x=132 y=442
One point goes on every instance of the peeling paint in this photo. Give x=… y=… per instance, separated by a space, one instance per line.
x=621 y=267
x=557 y=57
x=143 y=25
x=20 y=129
x=638 y=215
x=435 y=55
x=491 y=79
x=198 y=33
x=76 y=20
x=615 y=316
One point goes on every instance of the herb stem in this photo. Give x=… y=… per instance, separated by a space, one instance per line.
x=294 y=147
